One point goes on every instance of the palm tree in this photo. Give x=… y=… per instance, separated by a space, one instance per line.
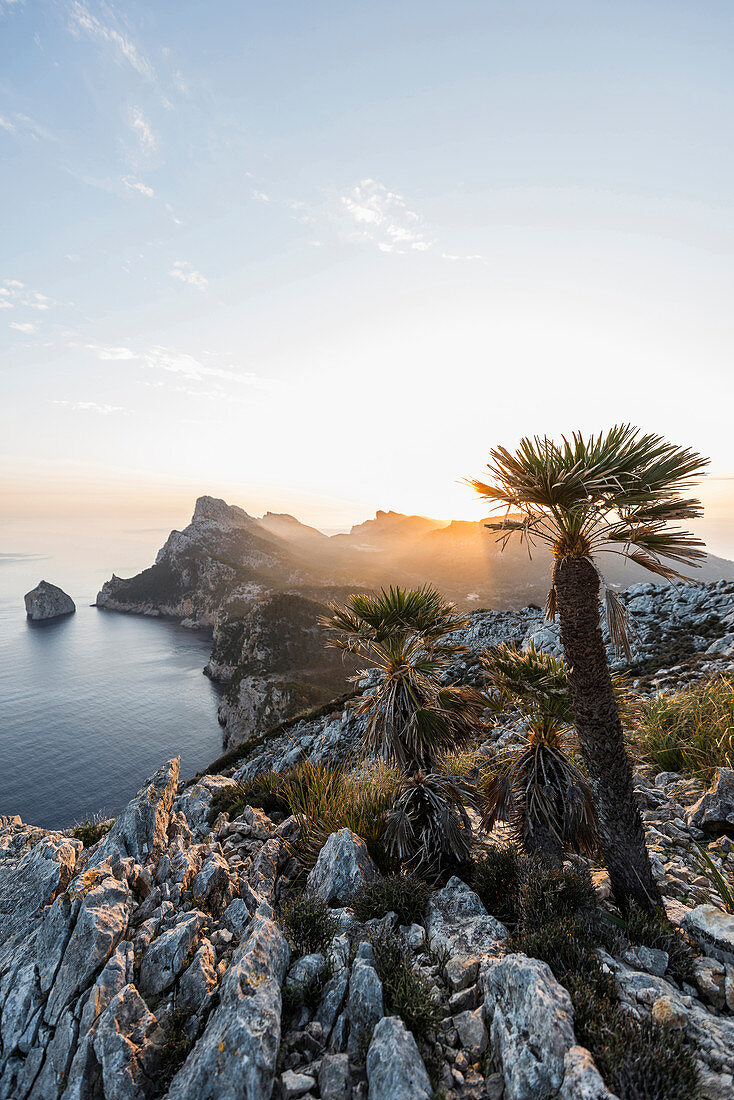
x=414 y=717
x=616 y=492
x=538 y=789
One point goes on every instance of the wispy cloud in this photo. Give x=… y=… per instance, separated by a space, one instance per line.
x=90 y=406
x=383 y=218
x=111 y=354
x=14 y=293
x=138 y=185
x=6 y=124
x=186 y=273
x=28 y=327
x=124 y=49
x=147 y=139
x=191 y=369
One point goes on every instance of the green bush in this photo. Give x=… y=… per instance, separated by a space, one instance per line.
x=309 y=924
x=406 y=992
x=89 y=831
x=638 y=1059
x=689 y=731
x=262 y=791
x=496 y=876
x=653 y=929
x=175 y=1048
x=405 y=895
x=549 y=893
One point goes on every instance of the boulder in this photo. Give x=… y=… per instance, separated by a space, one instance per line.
x=714 y=811
x=532 y=1026
x=713 y=931
x=395 y=1069
x=364 y=1004
x=47 y=601
x=344 y=866
x=334 y=1081
x=458 y=922
x=165 y=958
x=581 y=1078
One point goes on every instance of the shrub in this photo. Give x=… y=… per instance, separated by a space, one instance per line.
x=496 y=876
x=549 y=894
x=175 y=1048
x=653 y=929
x=90 y=831
x=309 y=924
x=262 y=790
x=324 y=799
x=689 y=731
x=407 y=993
x=405 y=895
x=638 y=1059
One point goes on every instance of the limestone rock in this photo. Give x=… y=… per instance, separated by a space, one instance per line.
x=164 y=959
x=714 y=812
x=532 y=1026
x=196 y=800
x=334 y=1082
x=458 y=922
x=364 y=1004
x=581 y=1078
x=395 y=1069
x=47 y=601
x=141 y=829
x=344 y=866
x=713 y=931
x=237 y=1053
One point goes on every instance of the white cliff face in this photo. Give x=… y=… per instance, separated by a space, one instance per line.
x=48 y=601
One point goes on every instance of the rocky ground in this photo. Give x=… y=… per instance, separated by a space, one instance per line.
x=154 y=962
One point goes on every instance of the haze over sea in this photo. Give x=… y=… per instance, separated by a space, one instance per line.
x=93 y=703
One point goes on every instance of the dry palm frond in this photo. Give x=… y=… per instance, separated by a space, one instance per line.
x=617 y=623
x=428 y=830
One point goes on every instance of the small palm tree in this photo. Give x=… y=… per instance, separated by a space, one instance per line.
x=617 y=492
x=413 y=717
x=538 y=789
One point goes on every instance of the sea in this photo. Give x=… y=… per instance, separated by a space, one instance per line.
x=93 y=703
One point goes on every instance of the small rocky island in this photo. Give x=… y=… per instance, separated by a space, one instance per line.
x=48 y=601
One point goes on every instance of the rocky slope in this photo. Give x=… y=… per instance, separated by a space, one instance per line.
x=155 y=961
x=261 y=584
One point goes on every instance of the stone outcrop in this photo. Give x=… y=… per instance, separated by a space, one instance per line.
x=344 y=866
x=47 y=601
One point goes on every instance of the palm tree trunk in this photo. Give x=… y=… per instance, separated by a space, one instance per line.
x=600 y=734
x=542 y=844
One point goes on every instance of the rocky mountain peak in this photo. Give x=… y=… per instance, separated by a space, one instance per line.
x=215 y=510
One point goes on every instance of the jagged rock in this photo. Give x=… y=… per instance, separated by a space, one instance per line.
x=334 y=1082
x=236 y=917
x=212 y=884
x=164 y=959
x=395 y=1069
x=364 y=1004
x=293 y=1085
x=472 y=1033
x=344 y=866
x=42 y=873
x=461 y=971
x=47 y=601
x=305 y=970
x=532 y=1026
x=332 y=1000
x=458 y=922
x=237 y=1053
x=713 y=931
x=122 y=1046
x=141 y=829
x=581 y=1078
x=714 y=812
x=710 y=978
x=195 y=801
x=264 y=870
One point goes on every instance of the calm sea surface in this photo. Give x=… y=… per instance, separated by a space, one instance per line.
x=92 y=704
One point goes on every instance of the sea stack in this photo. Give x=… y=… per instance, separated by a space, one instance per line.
x=47 y=601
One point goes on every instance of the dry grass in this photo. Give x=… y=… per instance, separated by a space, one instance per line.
x=689 y=731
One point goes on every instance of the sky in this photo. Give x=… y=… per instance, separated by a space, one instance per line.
x=320 y=257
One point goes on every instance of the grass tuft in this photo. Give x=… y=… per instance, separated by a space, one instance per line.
x=689 y=731
x=90 y=831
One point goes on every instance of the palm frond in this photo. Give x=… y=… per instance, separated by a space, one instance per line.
x=618 y=623
x=428 y=829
